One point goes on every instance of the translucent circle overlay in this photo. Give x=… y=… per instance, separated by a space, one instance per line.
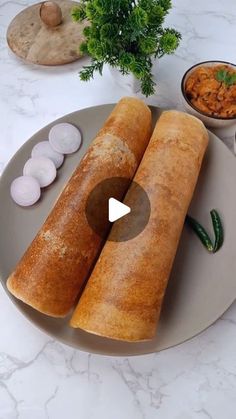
x=126 y=191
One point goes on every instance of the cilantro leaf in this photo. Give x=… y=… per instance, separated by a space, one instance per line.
x=232 y=79
x=221 y=75
x=224 y=76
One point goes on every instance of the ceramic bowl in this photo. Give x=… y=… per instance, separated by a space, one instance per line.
x=209 y=121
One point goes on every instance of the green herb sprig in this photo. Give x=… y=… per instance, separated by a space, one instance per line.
x=226 y=77
x=126 y=35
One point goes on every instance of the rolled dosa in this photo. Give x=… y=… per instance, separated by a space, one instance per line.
x=51 y=273
x=124 y=294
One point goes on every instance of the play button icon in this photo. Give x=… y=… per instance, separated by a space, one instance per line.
x=117 y=210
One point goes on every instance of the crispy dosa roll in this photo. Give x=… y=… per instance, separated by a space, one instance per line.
x=51 y=273
x=123 y=297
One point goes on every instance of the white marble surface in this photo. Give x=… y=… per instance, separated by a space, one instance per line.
x=40 y=378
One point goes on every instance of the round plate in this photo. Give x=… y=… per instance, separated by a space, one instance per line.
x=30 y=39
x=201 y=287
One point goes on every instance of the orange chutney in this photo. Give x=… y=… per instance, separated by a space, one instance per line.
x=209 y=95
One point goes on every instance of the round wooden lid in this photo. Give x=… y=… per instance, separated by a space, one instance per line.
x=35 y=41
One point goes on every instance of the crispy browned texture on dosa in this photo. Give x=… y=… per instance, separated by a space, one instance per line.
x=51 y=273
x=123 y=297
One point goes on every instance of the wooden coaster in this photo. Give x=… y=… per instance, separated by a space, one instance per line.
x=36 y=42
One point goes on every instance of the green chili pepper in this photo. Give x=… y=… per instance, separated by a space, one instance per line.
x=201 y=233
x=218 y=230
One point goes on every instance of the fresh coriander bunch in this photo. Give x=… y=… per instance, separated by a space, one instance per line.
x=126 y=34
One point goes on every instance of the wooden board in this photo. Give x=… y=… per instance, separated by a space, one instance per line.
x=30 y=39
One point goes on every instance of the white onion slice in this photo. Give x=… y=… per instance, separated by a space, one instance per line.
x=65 y=138
x=44 y=149
x=25 y=191
x=42 y=169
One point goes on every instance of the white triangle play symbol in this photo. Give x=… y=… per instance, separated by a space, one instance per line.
x=117 y=209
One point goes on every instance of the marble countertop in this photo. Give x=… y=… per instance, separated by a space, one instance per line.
x=41 y=378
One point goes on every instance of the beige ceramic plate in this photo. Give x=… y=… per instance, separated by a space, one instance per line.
x=201 y=287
